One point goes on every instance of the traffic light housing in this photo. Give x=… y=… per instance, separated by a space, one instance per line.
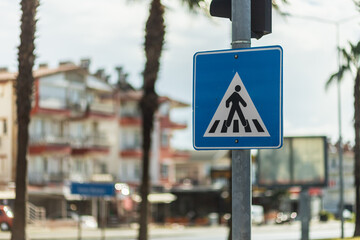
x=260 y=15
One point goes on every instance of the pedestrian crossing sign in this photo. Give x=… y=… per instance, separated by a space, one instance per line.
x=237 y=99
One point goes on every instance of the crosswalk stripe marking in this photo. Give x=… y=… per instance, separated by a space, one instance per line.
x=236 y=126
x=224 y=127
x=247 y=127
x=225 y=111
x=214 y=126
x=257 y=125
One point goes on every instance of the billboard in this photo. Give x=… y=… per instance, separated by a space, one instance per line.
x=302 y=161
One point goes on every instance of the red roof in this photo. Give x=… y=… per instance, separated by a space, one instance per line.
x=44 y=71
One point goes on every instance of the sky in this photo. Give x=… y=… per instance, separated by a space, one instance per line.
x=111 y=32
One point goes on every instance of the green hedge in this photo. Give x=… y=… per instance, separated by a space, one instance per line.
x=357 y=238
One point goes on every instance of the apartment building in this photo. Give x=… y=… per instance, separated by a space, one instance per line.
x=331 y=195
x=82 y=129
x=163 y=156
x=7 y=130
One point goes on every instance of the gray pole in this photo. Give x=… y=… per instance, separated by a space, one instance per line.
x=241 y=162
x=341 y=171
x=241 y=195
x=305 y=213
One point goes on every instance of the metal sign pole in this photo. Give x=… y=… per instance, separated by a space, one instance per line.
x=241 y=195
x=305 y=213
x=103 y=217
x=79 y=220
x=241 y=163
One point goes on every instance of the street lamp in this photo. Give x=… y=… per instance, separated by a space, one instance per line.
x=341 y=173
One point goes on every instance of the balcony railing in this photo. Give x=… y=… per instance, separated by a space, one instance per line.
x=102 y=107
x=48 y=139
x=41 y=178
x=89 y=140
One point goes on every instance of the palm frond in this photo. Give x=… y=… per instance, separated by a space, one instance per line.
x=353 y=56
x=346 y=55
x=357 y=3
x=357 y=48
x=275 y=5
x=356 y=53
x=338 y=75
x=193 y=5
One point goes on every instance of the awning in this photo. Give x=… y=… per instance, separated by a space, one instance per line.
x=157 y=198
x=7 y=194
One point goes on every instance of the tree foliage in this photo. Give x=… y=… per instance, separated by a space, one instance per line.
x=352 y=65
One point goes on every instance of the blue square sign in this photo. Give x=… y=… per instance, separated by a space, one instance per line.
x=237 y=98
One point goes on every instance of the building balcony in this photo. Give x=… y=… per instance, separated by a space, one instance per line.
x=128 y=121
x=48 y=139
x=49 y=144
x=90 y=144
x=66 y=145
x=97 y=110
x=165 y=122
x=131 y=152
x=167 y=152
x=42 y=179
x=90 y=140
x=50 y=111
x=101 y=111
x=77 y=110
x=105 y=108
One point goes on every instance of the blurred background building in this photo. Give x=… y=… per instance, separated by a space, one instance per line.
x=86 y=129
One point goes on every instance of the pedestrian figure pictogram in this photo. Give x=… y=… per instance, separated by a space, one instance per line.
x=235 y=99
x=235 y=108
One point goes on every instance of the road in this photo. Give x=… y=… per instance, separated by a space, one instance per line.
x=268 y=232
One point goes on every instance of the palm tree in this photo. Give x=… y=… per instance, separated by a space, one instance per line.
x=154 y=41
x=352 y=65
x=24 y=86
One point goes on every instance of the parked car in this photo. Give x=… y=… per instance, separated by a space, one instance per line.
x=257 y=214
x=283 y=217
x=87 y=221
x=6 y=218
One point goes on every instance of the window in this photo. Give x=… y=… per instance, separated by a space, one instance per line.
x=130 y=139
x=76 y=96
x=165 y=139
x=39 y=127
x=137 y=171
x=53 y=165
x=125 y=171
x=2 y=165
x=164 y=109
x=2 y=90
x=52 y=96
x=103 y=168
x=130 y=109
x=4 y=127
x=164 y=171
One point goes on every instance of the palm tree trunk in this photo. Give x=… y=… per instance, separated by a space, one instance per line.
x=357 y=151
x=154 y=40
x=24 y=87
